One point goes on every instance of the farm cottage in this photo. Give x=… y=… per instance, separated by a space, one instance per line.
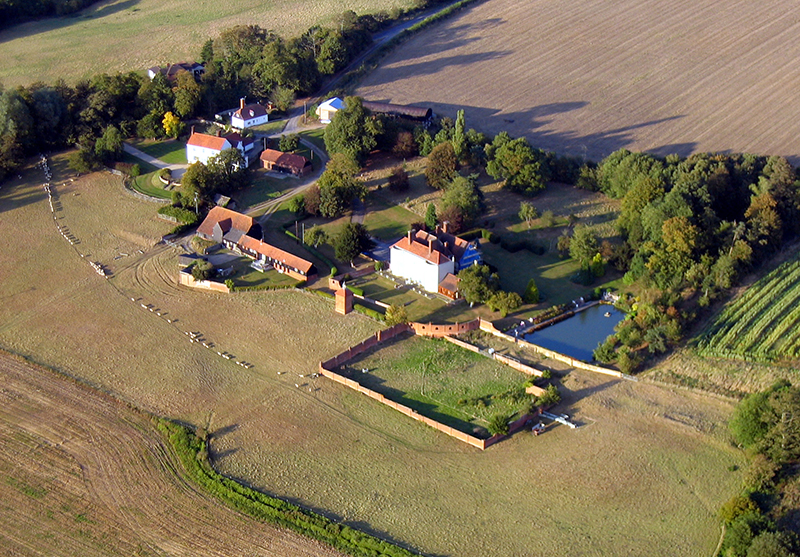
x=432 y=259
x=227 y=227
x=240 y=233
x=201 y=147
x=249 y=115
x=289 y=163
x=171 y=71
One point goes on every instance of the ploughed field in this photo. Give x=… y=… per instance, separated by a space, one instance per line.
x=133 y=35
x=587 y=77
x=589 y=491
x=84 y=474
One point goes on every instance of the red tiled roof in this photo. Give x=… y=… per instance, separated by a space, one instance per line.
x=276 y=254
x=207 y=141
x=250 y=111
x=285 y=160
x=450 y=282
x=221 y=215
x=421 y=250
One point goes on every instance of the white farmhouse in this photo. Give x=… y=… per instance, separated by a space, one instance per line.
x=431 y=260
x=249 y=115
x=202 y=147
x=420 y=262
x=326 y=110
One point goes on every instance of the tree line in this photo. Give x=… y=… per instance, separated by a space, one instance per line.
x=761 y=518
x=243 y=61
x=690 y=229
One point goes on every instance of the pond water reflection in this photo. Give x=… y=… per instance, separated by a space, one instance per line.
x=579 y=335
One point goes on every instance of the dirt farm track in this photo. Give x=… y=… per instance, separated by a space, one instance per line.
x=86 y=475
x=587 y=77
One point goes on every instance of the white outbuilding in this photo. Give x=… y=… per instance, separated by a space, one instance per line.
x=326 y=110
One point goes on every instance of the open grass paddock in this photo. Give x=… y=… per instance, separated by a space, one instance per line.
x=644 y=475
x=133 y=35
x=587 y=77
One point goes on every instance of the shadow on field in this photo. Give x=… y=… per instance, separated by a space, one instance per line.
x=46 y=24
x=13 y=197
x=571 y=397
x=682 y=149
x=530 y=123
x=430 y=67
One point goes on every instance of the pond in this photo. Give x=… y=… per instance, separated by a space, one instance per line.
x=578 y=336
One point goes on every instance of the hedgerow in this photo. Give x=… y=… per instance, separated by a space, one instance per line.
x=193 y=454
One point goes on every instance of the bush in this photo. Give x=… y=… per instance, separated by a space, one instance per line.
x=380 y=265
x=355 y=290
x=165 y=173
x=135 y=170
x=498 y=424
x=184 y=216
x=377 y=316
x=531 y=293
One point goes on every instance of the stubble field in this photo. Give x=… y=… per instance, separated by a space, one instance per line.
x=588 y=77
x=580 y=492
x=83 y=474
x=133 y=35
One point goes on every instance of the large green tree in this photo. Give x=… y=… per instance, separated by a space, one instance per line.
x=338 y=186
x=187 y=94
x=583 y=245
x=515 y=161
x=352 y=130
x=351 y=241
x=441 y=167
x=463 y=194
x=477 y=283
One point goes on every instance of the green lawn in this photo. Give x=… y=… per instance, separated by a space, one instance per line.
x=145 y=167
x=169 y=152
x=551 y=273
x=149 y=184
x=275 y=126
x=383 y=290
x=387 y=221
x=315 y=136
x=264 y=187
x=443 y=381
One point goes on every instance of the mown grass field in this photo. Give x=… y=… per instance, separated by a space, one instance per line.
x=586 y=78
x=442 y=381
x=762 y=324
x=133 y=35
x=589 y=491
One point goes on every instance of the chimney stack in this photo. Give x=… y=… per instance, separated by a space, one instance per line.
x=446 y=227
x=409 y=237
x=219 y=132
x=241 y=103
x=192 y=130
